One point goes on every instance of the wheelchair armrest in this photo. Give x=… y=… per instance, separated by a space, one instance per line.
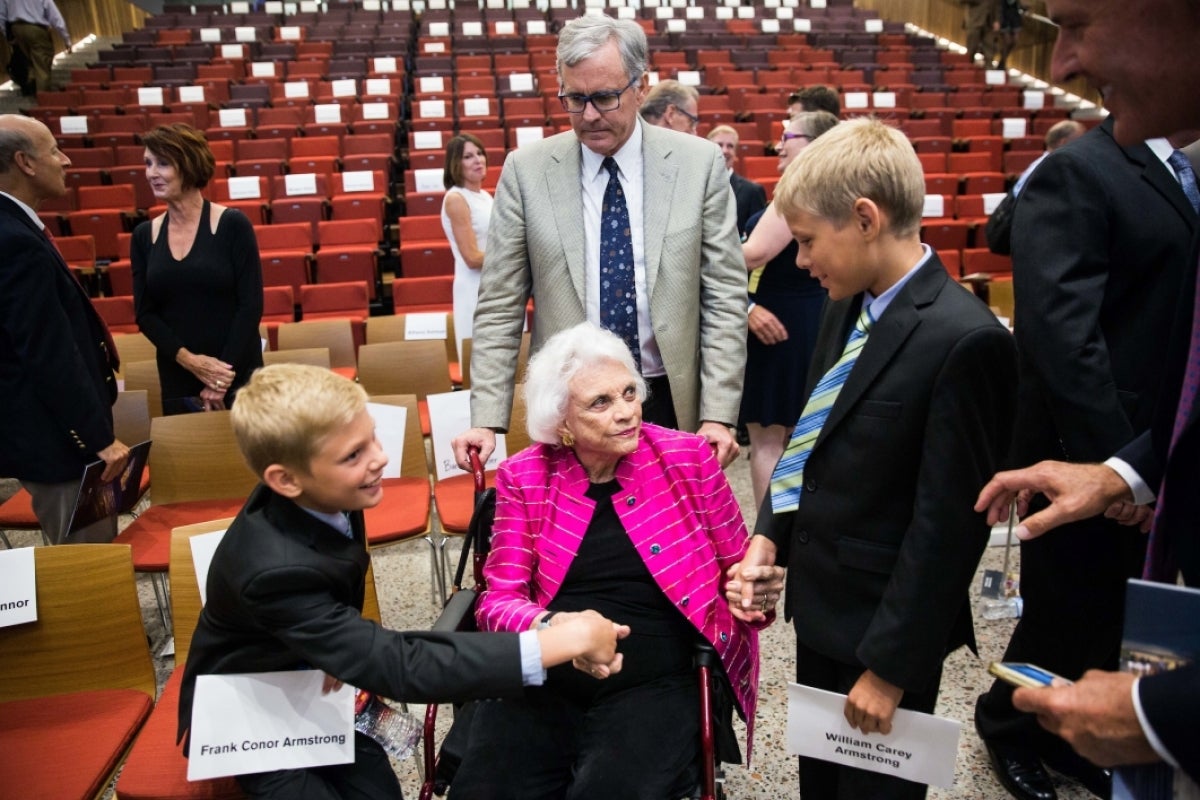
x=705 y=655
x=459 y=613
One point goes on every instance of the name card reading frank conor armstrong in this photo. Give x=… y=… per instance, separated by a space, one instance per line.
x=268 y=721
x=921 y=747
x=18 y=587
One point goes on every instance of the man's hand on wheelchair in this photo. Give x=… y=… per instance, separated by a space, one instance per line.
x=755 y=583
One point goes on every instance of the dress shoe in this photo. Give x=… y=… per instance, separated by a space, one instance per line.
x=1020 y=771
x=1096 y=780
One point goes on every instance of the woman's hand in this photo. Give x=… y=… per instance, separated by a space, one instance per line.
x=212 y=372
x=755 y=583
x=766 y=326
x=872 y=703
x=212 y=399
x=598 y=635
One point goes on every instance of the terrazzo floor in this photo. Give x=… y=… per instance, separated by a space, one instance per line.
x=402 y=576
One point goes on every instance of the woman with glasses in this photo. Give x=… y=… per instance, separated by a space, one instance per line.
x=785 y=307
x=466 y=210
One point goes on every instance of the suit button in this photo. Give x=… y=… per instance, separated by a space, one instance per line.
x=724 y=636
x=684 y=601
x=802 y=536
x=810 y=484
x=655 y=549
x=629 y=501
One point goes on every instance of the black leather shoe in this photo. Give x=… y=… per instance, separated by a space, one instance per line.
x=1096 y=780
x=1020 y=771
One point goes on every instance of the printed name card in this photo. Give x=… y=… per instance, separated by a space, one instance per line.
x=262 y=69
x=231 y=117
x=771 y=4
x=854 y=100
x=1032 y=99
x=437 y=5
x=724 y=12
x=694 y=12
x=358 y=180
x=426 y=326
x=935 y=206
x=625 y=12
x=431 y=109
x=527 y=134
x=770 y=26
x=802 y=25
x=191 y=94
x=309 y=6
x=427 y=140
x=785 y=13
x=435 y=47
x=431 y=84
x=439 y=29
x=268 y=721
x=389 y=428
x=652 y=77
x=593 y=3
x=234 y=51
x=873 y=25
x=375 y=111
x=289 y=33
x=1013 y=127
x=676 y=25
x=520 y=82
x=921 y=747
x=273 y=7
x=239 y=7
x=379 y=87
x=343 y=87
x=18 y=587
x=297 y=184
x=506 y=28
x=428 y=180
x=991 y=200
x=688 y=77
x=450 y=415
x=995 y=77
x=522 y=3
x=203 y=546
x=472 y=28
x=210 y=34
x=745 y=12
x=558 y=3
x=535 y=27
x=372 y=5
x=664 y=12
x=495 y=5
x=327 y=113
x=679 y=3
x=245 y=187
x=383 y=64
x=295 y=89
x=884 y=99
x=244 y=33
x=816 y=3
x=476 y=107
x=150 y=96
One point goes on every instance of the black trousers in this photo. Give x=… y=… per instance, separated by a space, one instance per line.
x=659 y=408
x=822 y=780
x=370 y=777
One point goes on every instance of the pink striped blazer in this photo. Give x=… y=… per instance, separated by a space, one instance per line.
x=679 y=512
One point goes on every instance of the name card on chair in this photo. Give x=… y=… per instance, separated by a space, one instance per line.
x=476 y=107
x=535 y=27
x=290 y=33
x=273 y=7
x=771 y=4
x=245 y=33
x=295 y=89
x=450 y=415
x=18 y=579
x=426 y=326
x=472 y=28
x=150 y=96
x=379 y=87
x=495 y=5
x=389 y=429
x=359 y=180
x=439 y=29
x=191 y=94
x=437 y=5
x=676 y=26
x=558 y=3
x=921 y=747
x=1032 y=99
x=344 y=87
x=688 y=77
x=802 y=25
x=652 y=77
x=431 y=109
x=203 y=546
x=73 y=124
x=935 y=206
x=427 y=140
x=431 y=84
x=300 y=184
x=995 y=77
x=231 y=117
x=375 y=111
x=664 y=12
x=770 y=26
x=854 y=100
x=245 y=187
x=520 y=82
x=884 y=99
x=506 y=28
x=210 y=34
x=1013 y=127
x=262 y=69
x=873 y=25
x=327 y=113
x=233 y=51
x=435 y=47
x=745 y=12
x=239 y=7
x=529 y=133
x=991 y=200
x=268 y=721
x=816 y=3
x=693 y=12
x=625 y=12
x=428 y=180
x=785 y=13
x=724 y=12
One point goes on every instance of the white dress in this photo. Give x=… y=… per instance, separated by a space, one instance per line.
x=466 y=280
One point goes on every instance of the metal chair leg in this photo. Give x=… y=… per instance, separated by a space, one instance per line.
x=4 y=538
x=162 y=597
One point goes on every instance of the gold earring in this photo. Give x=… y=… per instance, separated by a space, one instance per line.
x=567 y=439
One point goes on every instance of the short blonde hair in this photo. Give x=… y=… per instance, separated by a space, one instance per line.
x=722 y=129
x=285 y=411
x=859 y=158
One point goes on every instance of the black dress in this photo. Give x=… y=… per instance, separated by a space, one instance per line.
x=210 y=301
x=1010 y=15
x=773 y=389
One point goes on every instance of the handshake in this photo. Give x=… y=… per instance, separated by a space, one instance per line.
x=586 y=639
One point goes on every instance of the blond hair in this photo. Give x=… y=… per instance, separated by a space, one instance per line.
x=860 y=158
x=285 y=411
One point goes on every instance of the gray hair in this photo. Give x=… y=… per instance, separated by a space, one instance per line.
x=664 y=95
x=583 y=36
x=548 y=376
x=13 y=140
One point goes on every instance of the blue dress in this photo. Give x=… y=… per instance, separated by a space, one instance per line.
x=773 y=388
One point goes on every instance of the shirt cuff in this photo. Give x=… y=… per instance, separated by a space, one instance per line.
x=532 y=673
x=1142 y=494
x=1147 y=729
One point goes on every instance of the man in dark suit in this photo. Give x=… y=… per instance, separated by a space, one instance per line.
x=1142 y=56
x=56 y=360
x=750 y=197
x=1102 y=235
x=877 y=531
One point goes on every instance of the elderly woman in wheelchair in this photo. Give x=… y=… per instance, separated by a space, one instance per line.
x=638 y=523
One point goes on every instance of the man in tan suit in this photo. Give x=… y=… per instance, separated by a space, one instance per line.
x=544 y=242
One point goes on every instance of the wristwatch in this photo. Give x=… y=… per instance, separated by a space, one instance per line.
x=545 y=621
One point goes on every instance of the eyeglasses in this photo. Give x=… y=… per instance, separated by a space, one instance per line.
x=692 y=118
x=788 y=136
x=601 y=101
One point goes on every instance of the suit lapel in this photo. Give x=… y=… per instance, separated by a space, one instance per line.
x=563 y=190
x=658 y=187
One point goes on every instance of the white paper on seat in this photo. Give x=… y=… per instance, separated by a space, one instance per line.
x=431 y=109
x=150 y=96
x=1032 y=99
x=664 y=12
x=520 y=4
x=854 y=100
x=816 y=3
x=295 y=89
x=262 y=69
x=375 y=110
x=231 y=117
x=529 y=133
x=450 y=415
x=268 y=721
x=384 y=64
x=745 y=12
x=210 y=34
x=652 y=77
x=724 y=12
x=921 y=747
x=439 y=29
x=203 y=545
x=327 y=113
x=239 y=7
x=273 y=7
x=771 y=4
x=802 y=25
x=676 y=26
x=558 y=3
x=785 y=13
x=476 y=107
x=626 y=12
x=389 y=429
x=873 y=25
x=191 y=94
x=299 y=184
x=520 y=82
x=428 y=180
x=995 y=77
x=1013 y=127
x=73 y=124
x=371 y=5
x=379 y=87
x=289 y=33
x=359 y=180
x=431 y=83
x=472 y=28
x=435 y=47
x=770 y=26
x=694 y=12
x=884 y=99
x=688 y=77
x=426 y=326
x=245 y=187
x=506 y=27
x=18 y=577
x=437 y=5
x=935 y=206
x=991 y=200
x=494 y=5
x=234 y=51
x=245 y=34
x=427 y=140
x=535 y=27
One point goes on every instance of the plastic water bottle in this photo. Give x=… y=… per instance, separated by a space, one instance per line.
x=1002 y=608
x=397 y=732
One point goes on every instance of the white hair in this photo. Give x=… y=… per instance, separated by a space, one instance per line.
x=548 y=376
x=582 y=37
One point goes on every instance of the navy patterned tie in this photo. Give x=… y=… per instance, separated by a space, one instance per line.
x=618 y=292
x=1187 y=178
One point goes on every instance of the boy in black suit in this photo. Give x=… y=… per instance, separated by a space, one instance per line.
x=286 y=584
x=870 y=506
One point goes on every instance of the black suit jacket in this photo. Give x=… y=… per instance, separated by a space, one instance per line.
x=285 y=591
x=750 y=197
x=56 y=375
x=884 y=545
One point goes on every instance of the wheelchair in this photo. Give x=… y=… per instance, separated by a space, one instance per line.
x=458 y=614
